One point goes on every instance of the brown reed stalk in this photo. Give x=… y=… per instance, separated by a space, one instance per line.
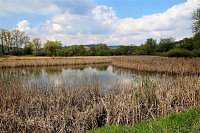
x=79 y=109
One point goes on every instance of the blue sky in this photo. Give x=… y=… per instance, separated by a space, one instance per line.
x=114 y=22
x=139 y=8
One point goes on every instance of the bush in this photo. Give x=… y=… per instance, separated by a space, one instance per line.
x=196 y=52
x=177 y=52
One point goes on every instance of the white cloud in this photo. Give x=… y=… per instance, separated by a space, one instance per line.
x=104 y=14
x=23 y=26
x=56 y=27
x=82 y=21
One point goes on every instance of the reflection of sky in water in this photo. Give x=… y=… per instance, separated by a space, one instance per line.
x=45 y=77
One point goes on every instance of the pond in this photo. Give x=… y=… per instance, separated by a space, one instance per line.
x=106 y=75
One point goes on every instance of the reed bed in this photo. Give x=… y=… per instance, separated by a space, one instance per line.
x=159 y=64
x=138 y=63
x=14 y=62
x=73 y=109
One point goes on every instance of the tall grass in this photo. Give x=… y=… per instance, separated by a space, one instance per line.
x=78 y=109
x=138 y=63
x=14 y=62
x=159 y=64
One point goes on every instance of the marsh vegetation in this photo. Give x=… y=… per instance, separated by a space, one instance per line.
x=77 y=103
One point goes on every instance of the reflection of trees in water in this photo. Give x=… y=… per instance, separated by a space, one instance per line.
x=134 y=72
x=53 y=70
x=100 y=67
x=79 y=67
x=18 y=74
x=143 y=76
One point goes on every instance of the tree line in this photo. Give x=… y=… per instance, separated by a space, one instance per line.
x=16 y=42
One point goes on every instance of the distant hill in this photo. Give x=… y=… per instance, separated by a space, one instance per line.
x=93 y=45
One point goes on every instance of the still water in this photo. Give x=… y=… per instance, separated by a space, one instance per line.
x=43 y=77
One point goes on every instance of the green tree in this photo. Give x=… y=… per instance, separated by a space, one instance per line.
x=186 y=43
x=196 y=41
x=165 y=44
x=28 y=49
x=150 y=46
x=50 y=47
x=37 y=46
x=92 y=51
x=196 y=24
x=82 y=50
x=102 y=50
x=101 y=46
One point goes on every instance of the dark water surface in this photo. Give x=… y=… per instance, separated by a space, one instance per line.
x=107 y=75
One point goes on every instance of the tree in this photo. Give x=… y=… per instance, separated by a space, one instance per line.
x=28 y=49
x=150 y=46
x=186 y=43
x=76 y=50
x=165 y=44
x=26 y=40
x=101 y=49
x=2 y=37
x=196 y=24
x=196 y=41
x=17 y=39
x=82 y=50
x=36 y=45
x=9 y=40
x=50 y=47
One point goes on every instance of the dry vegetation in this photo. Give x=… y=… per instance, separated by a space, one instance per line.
x=138 y=63
x=13 y=62
x=75 y=109
x=159 y=64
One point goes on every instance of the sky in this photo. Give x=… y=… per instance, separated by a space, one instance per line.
x=114 y=22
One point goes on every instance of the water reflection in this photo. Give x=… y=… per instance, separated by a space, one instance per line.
x=44 y=77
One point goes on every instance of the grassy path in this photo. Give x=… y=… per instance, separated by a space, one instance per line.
x=187 y=122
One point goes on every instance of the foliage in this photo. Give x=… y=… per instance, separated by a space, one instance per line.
x=28 y=49
x=165 y=44
x=50 y=47
x=196 y=52
x=37 y=46
x=196 y=41
x=17 y=43
x=196 y=24
x=149 y=48
x=179 y=53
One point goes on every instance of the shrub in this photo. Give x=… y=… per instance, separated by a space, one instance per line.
x=196 y=52
x=177 y=52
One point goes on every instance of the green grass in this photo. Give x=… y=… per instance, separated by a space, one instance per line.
x=187 y=122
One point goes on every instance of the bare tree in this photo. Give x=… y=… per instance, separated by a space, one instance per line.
x=17 y=39
x=2 y=31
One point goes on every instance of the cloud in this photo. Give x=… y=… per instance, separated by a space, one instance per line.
x=84 y=22
x=23 y=26
x=80 y=7
x=56 y=27
x=46 y=7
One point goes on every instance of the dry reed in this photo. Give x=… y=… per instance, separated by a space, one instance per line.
x=159 y=64
x=14 y=62
x=79 y=109
x=138 y=63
